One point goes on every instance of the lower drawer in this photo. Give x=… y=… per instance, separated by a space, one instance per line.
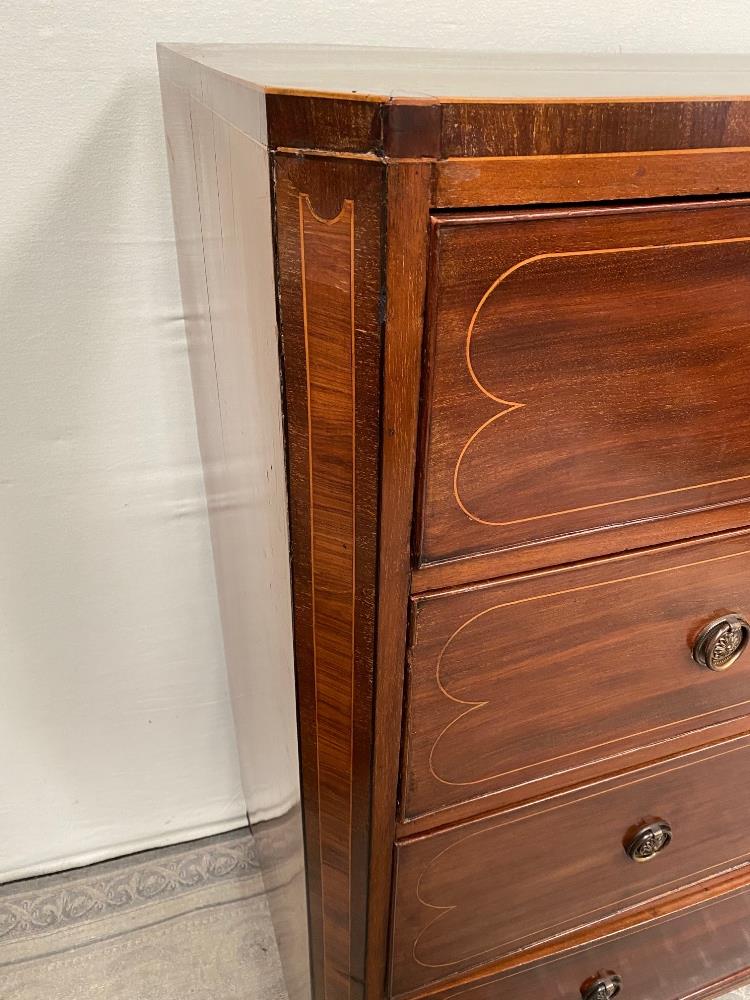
x=701 y=952
x=478 y=893
x=543 y=679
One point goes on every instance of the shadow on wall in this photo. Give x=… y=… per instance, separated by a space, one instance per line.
x=105 y=577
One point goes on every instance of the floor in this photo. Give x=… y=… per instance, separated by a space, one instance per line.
x=184 y=923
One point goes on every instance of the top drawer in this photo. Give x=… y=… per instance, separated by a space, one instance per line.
x=587 y=369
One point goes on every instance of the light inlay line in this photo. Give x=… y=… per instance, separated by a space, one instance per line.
x=327 y=279
x=474 y=705
x=510 y=406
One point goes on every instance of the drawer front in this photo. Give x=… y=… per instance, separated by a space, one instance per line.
x=474 y=894
x=587 y=369
x=557 y=676
x=680 y=956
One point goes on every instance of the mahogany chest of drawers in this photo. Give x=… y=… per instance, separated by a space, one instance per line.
x=471 y=380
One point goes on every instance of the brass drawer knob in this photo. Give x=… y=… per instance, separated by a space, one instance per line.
x=721 y=642
x=648 y=840
x=603 y=986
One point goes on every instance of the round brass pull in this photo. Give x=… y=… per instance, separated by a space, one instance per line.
x=603 y=986
x=721 y=642
x=645 y=842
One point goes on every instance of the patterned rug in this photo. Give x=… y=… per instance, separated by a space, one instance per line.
x=184 y=923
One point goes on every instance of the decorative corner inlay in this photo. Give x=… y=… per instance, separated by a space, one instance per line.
x=327 y=278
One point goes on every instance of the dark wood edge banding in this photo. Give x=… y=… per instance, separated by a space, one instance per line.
x=333 y=124
x=558 y=128
x=445 y=129
x=412 y=130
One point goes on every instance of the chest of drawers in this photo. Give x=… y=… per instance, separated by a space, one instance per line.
x=471 y=387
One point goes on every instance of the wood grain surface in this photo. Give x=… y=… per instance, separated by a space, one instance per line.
x=329 y=238
x=552 y=179
x=507 y=681
x=698 y=952
x=407 y=200
x=568 y=361
x=483 y=890
x=467 y=129
x=485 y=566
x=533 y=128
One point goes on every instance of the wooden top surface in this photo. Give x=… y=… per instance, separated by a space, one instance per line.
x=382 y=74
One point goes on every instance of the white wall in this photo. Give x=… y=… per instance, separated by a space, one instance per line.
x=115 y=730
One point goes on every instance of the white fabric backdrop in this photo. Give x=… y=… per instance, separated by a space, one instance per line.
x=115 y=730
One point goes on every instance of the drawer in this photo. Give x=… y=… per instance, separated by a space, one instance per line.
x=586 y=370
x=698 y=952
x=474 y=894
x=545 y=680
